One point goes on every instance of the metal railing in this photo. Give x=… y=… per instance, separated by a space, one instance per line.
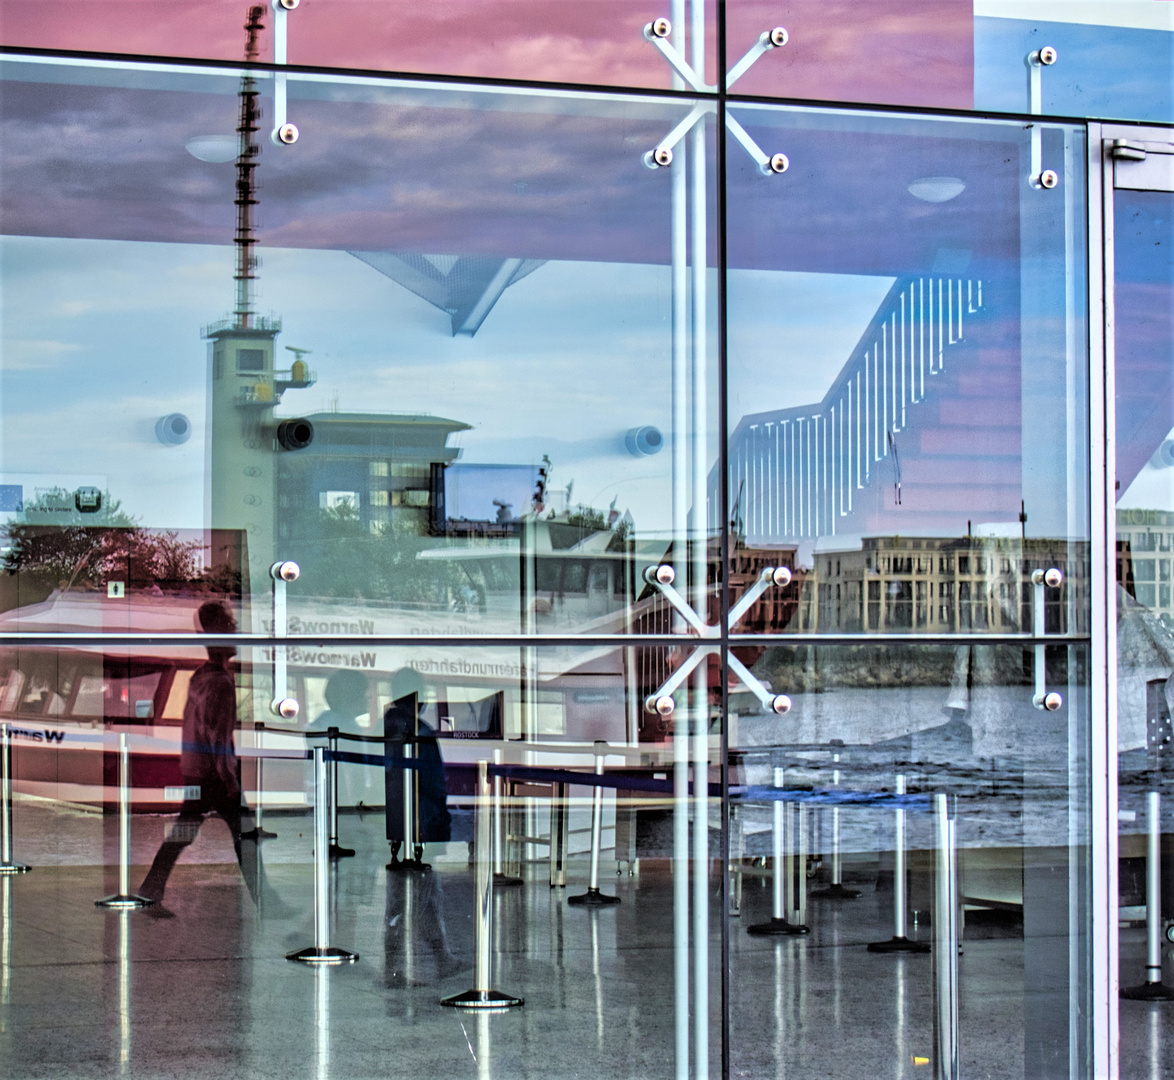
x=794 y=472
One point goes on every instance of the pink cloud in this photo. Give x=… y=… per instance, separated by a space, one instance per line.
x=916 y=52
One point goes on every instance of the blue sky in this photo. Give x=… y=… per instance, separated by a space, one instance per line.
x=101 y=338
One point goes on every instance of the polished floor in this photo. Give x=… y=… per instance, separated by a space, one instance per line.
x=201 y=989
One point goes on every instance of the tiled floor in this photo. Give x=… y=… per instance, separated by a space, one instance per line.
x=208 y=993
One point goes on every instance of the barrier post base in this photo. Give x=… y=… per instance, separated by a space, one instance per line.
x=337 y=851
x=501 y=880
x=836 y=892
x=121 y=902
x=258 y=834
x=592 y=898
x=14 y=868
x=483 y=1001
x=408 y=866
x=899 y=945
x=778 y=928
x=414 y=865
x=1148 y=992
x=328 y=955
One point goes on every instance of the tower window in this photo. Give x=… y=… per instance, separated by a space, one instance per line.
x=250 y=359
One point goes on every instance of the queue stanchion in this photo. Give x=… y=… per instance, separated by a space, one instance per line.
x=124 y=899
x=482 y=996
x=593 y=897
x=258 y=831
x=1153 y=989
x=836 y=890
x=322 y=952
x=500 y=878
x=899 y=942
x=7 y=864
x=778 y=925
x=336 y=850
x=945 y=942
x=558 y=836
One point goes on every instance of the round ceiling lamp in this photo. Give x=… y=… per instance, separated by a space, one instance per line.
x=937 y=189
x=214 y=147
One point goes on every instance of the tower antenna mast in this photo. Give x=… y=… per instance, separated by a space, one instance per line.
x=246 y=181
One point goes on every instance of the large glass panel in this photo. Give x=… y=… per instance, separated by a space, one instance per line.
x=909 y=862
x=901 y=52
x=1108 y=60
x=427 y=352
x=202 y=28
x=573 y=765
x=1143 y=234
x=908 y=432
x=907 y=403
x=599 y=42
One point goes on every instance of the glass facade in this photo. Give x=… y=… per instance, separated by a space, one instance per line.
x=649 y=527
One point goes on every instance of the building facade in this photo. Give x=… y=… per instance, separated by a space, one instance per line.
x=720 y=491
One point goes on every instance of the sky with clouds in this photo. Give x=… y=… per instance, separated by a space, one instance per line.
x=102 y=317
x=101 y=338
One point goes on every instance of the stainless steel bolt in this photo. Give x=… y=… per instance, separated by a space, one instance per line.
x=285 y=571
x=286 y=708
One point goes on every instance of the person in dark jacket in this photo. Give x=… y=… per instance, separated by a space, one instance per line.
x=346 y=698
x=404 y=726
x=208 y=758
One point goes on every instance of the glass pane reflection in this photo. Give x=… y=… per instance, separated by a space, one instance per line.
x=903 y=419
x=875 y=742
x=553 y=725
x=447 y=396
x=1144 y=350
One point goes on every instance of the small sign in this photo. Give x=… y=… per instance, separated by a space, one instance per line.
x=88 y=500
x=144 y=708
x=182 y=794
x=116 y=590
x=11 y=498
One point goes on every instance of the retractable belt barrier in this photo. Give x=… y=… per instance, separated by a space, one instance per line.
x=322 y=952
x=124 y=899
x=482 y=996
x=899 y=942
x=1152 y=989
x=7 y=864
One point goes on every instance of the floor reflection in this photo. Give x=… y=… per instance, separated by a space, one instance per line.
x=209 y=993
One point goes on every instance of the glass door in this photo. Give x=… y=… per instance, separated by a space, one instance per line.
x=908 y=715
x=1139 y=244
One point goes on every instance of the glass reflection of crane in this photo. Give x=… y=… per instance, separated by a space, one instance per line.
x=246 y=387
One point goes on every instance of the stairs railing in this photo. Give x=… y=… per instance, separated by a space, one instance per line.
x=795 y=472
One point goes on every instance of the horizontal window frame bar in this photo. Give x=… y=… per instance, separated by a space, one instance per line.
x=607 y=90
x=904 y=639
x=120 y=639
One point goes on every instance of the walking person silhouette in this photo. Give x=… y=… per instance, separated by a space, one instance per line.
x=208 y=759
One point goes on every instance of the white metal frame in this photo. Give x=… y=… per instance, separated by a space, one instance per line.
x=1105 y=958
x=1103 y=742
